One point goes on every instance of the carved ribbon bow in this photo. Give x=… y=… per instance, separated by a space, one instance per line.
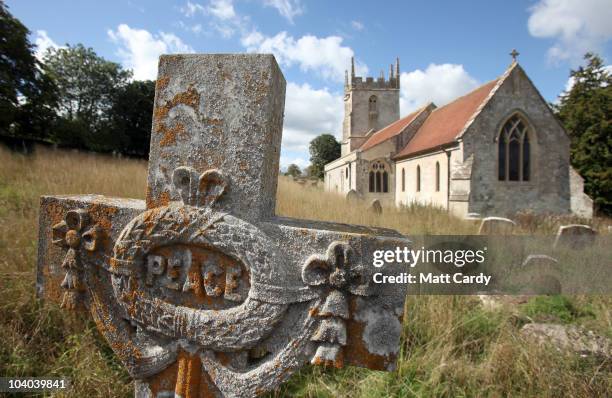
x=336 y=274
x=72 y=234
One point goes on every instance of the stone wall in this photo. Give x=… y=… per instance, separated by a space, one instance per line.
x=356 y=114
x=340 y=175
x=386 y=199
x=548 y=189
x=581 y=203
x=428 y=195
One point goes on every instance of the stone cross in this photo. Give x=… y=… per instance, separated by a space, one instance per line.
x=200 y=290
x=514 y=54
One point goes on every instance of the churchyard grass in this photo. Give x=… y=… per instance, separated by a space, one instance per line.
x=451 y=346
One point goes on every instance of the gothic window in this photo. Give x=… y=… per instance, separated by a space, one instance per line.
x=348 y=175
x=372 y=104
x=418 y=179
x=379 y=177
x=371 y=187
x=372 y=113
x=385 y=182
x=403 y=180
x=514 y=151
x=437 y=176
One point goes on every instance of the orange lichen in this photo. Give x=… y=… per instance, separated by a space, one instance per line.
x=170 y=134
x=358 y=354
x=161 y=83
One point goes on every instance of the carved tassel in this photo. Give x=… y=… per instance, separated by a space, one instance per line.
x=331 y=333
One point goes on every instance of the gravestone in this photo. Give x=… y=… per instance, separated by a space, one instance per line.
x=496 y=226
x=376 y=207
x=541 y=272
x=575 y=236
x=201 y=291
x=352 y=196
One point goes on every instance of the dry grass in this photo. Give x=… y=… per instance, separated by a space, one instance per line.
x=450 y=346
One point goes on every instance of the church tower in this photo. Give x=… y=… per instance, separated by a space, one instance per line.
x=368 y=105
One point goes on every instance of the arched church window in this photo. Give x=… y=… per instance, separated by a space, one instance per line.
x=403 y=180
x=379 y=177
x=348 y=175
x=385 y=182
x=418 y=179
x=514 y=151
x=372 y=104
x=437 y=176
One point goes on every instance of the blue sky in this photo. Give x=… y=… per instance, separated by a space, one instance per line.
x=446 y=48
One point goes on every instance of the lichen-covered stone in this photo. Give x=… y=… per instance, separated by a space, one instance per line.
x=201 y=290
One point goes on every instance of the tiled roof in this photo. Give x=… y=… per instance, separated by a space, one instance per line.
x=444 y=124
x=390 y=131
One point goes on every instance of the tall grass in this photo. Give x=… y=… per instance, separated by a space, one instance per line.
x=450 y=345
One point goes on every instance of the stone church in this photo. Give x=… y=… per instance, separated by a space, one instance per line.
x=497 y=150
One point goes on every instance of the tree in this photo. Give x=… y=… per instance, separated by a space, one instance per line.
x=86 y=85
x=27 y=97
x=586 y=112
x=131 y=117
x=293 y=170
x=323 y=149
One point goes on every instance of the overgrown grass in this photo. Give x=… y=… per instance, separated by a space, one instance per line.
x=450 y=346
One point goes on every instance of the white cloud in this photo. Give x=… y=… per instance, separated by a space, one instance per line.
x=437 y=83
x=577 y=26
x=43 y=42
x=287 y=8
x=139 y=50
x=286 y=160
x=222 y=9
x=357 y=25
x=190 y=9
x=223 y=17
x=325 y=56
x=310 y=112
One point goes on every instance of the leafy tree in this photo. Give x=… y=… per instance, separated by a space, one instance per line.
x=586 y=111
x=293 y=170
x=131 y=117
x=27 y=97
x=323 y=149
x=86 y=84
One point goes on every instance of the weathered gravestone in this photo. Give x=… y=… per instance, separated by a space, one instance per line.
x=496 y=226
x=540 y=271
x=575 y=236
x=201 y=290
x=376 y=207
x=352 y=196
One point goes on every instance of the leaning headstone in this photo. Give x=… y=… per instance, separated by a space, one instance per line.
x=496 y=226
x=376 y=207
x=352 y=196
x=200 y=290
x=575 y=236
x=540 y=272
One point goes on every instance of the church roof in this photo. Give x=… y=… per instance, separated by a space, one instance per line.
x=444 y=124
x=391 y=130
